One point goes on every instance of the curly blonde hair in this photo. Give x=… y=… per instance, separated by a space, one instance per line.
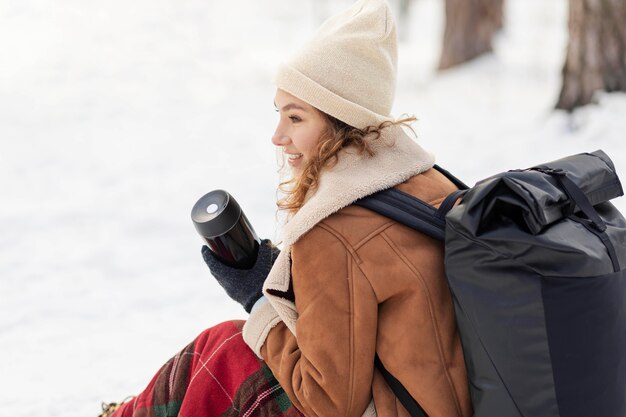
x=336 y=136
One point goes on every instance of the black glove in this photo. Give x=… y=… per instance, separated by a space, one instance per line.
x=243 y=285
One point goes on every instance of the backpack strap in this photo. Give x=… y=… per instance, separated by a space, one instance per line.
x=407 y=210
x=449 y=203
x=415 y=213
x=593 y=222
x=454 y=180
x=412 y=406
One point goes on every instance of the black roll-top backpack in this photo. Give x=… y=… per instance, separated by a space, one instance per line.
x=536 y=262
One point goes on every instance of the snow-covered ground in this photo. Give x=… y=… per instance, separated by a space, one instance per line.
x=116 y=116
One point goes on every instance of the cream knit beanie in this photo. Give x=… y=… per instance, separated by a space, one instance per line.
x=348 y=68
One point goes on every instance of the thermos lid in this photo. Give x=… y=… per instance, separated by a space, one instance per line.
x=215 y=213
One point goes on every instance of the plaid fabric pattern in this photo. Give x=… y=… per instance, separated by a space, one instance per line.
x=215 y=375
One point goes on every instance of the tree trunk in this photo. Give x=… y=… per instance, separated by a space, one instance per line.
x=596 y=53
x=470 y=27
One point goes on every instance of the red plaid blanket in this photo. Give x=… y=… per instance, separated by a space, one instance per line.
x=215 y=375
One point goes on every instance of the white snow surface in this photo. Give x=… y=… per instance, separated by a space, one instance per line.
x=116 y=116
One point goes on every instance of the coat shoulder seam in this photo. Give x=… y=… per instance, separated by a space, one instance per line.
x=342 y=239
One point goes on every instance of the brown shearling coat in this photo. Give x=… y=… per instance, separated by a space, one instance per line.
x=362 y=284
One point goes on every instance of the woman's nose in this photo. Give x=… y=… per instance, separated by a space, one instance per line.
x=280 y=139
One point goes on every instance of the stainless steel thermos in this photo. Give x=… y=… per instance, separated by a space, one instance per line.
x=218 y=218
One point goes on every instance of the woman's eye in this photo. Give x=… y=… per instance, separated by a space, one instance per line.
x=295 y=118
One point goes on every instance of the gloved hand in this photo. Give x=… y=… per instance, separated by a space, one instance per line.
x=243 y=285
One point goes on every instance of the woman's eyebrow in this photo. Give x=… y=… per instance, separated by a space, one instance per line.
x=291 y=106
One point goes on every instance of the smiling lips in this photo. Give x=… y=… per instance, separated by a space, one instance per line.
x=294 y=158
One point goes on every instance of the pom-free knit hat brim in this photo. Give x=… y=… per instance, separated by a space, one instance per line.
x=299 y=85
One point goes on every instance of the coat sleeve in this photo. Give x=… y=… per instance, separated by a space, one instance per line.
x=327 y=369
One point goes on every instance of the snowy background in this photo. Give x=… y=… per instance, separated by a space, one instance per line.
x=116 y=116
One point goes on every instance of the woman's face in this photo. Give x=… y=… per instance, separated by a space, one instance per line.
x=299 y=128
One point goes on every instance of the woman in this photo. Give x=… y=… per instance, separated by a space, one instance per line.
x=348 y=283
